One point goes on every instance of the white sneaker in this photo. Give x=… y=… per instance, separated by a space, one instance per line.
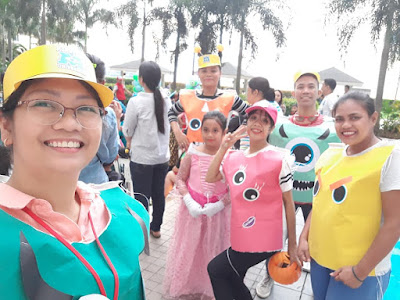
x=264 y=287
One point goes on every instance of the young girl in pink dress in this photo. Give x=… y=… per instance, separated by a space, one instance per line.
x=202 y=221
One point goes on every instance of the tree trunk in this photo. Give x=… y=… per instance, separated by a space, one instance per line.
x=383 y=67
x=10 y=46
x=86 y=37
x=143 y=31
x=176 y=54
x=43 y=25
x=3 y=45
x=239 y=67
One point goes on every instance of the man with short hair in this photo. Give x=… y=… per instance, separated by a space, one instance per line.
x=306 y=134
x=330 y=99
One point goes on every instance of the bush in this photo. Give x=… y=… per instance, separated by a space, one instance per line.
x=289 y=102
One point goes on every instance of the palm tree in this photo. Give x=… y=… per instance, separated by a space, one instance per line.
x=174 y=21
x=384 y=18
x=240 y=11
x=86 y=14
x=130 y=9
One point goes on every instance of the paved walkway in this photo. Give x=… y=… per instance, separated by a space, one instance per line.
x=153 y=266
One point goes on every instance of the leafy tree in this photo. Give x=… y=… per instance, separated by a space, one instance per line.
x=86 y=14
x=130 y=9
x=384 y=18
x=241 y=11
x=173 y=21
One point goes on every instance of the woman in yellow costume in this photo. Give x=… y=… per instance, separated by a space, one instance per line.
x=196 y=103
x=354 y=224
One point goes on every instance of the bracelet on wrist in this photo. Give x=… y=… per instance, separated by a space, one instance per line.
x=355 y=275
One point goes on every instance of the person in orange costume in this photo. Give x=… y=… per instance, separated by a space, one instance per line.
x=196 y=103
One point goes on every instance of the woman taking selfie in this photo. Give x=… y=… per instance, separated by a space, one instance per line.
x=60 y=238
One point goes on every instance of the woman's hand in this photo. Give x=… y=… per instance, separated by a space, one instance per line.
x=303 y=251
x=292 y=251
x=231 y=138
x=183 y=141
x=345 y=275
x=116 y=106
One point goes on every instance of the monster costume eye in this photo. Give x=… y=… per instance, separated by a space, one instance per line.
x=252 y=194
x=339 y=194
x=195 y=124
x=306 y=152
x=240 y=176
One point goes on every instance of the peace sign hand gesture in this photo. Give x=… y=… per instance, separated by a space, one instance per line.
x=231 y=138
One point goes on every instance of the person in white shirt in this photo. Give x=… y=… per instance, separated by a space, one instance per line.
x=330 y=99
x=146 y=129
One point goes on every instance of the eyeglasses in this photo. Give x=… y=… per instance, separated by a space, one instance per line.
x=48 y=112
x=310 y=119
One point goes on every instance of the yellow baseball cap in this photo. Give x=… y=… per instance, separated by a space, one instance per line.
x=312 y=73
x=53 y=61
x=209 y=60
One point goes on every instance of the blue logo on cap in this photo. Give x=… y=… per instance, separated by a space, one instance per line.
x=70 y=61
x=206 y=59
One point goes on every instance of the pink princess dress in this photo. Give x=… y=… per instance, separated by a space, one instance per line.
x=196 y=241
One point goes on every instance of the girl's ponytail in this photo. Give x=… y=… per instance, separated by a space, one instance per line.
x=151 y=76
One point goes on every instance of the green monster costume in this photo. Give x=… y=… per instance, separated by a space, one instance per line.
x=63 y=274
x=307 y=144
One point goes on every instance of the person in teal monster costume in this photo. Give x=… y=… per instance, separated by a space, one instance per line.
x=60 y=238
x=307 y=135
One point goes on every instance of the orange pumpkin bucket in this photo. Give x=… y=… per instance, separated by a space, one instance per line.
x=281 y=271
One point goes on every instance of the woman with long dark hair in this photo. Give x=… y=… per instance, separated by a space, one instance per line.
x=146 y=129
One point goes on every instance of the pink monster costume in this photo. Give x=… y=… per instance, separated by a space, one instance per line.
x=256 y=222
x=196 y=241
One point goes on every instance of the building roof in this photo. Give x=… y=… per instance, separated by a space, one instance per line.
x=340 y=77
x=133 y=66
x=229 y=70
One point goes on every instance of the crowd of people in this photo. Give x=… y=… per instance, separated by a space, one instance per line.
x=239 y=170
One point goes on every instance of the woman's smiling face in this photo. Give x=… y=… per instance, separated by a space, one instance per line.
x=62 y=147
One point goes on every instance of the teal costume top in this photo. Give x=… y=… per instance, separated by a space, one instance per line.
x=307 y=143
x=123 y=241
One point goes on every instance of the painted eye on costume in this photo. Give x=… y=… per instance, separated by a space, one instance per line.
x=251 y=194
x=239 y=177
x=339 y=194
x=306 y=152
x=316 y=188
x=195 y=124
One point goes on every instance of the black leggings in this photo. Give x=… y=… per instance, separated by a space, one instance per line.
x=227 y=271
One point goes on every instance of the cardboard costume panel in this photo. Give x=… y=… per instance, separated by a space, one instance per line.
x=256 y=197
x=195 y=109
x=307 y=144
x=347 y=207
x=60 y=269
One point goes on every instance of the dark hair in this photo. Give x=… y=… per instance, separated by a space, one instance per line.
x=12 y=101
x=5 y=160
x=347 y=86
x=270 y=96
x=280 y=92
x=262 y=84
x=151 y=76
x=331 y=83
x=217 y=116
x=267 y=114
x=99 y=67
x=363 y=99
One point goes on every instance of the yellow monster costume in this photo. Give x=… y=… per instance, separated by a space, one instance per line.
x=347 y=208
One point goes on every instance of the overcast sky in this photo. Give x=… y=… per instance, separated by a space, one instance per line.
x=310 y=45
